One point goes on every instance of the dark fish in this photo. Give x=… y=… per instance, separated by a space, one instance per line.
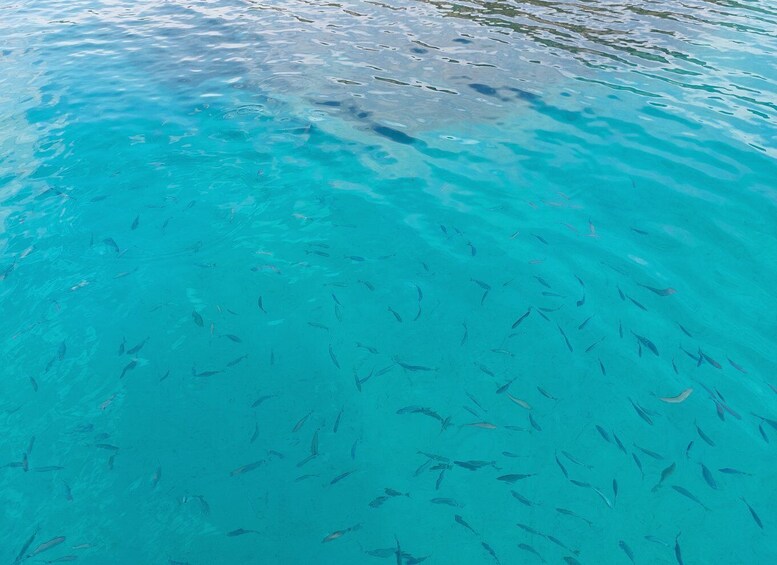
x=647 y=343
x=563 y=469
x=650 y=453
x=522 y=499
x=112 y=244
x=689 y=495
x=332 y=356
x=340 y=477
x=21 y=556
x=378 y=501
x=490 y=551
x=368 y=284
x=664 y=474
x=677 y=553
x=237 y=360
x=707 y=474
x=135 y=223
x=412 y=368
x=704 y=436
x=546 y=394
x=618 y=441
x=659 y=291
x=204 y=373
x=197 y=318
x=522 y=318
x=261 y=399
x=301 y=422
x=585 y=322
x=128 y=367
x=530 y=549
x=319 y=326
x=641 y=412
x=638 y=462
x=121 y=346
x=47 y=468
x=241 y=532
x=573 y=514
x=261 y=305
x=446 y=501
x=730 y=471
x=569 y=345
x=460 y=520
x=475 y=465
x=137 y=348
x=637 y=304
x=396 y=314
x=601 y=368
x=736 y=366
x=232 y=337
x=605 y=435
x=34 y=384
x=627 y=550
x=534 y=423
x=246 y=468
x=581 y=301
x=686 y=332
x=465 y=336
x=515 y=477
x=753 y=514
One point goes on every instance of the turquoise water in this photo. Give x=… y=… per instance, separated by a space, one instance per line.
x=262 y=261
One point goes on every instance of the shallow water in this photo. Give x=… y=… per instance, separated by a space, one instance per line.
x=259 y=258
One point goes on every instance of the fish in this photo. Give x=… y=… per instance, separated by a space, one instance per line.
x=128 y=367
x=638 y=463
x=686 y=493
x=241 y=532
x=650 y=453
x=581 y=302
x=704 y=436
x=137 y=348
x=515 y=477
x=378 y=501
x=301 y=422
x=522 y=318
x=396 y=314
x=730 y=471
x=232 y=337
x=707 y=474
x=412 y=368
x=21 y=556
x=247 y=468
x=372 y=350
x=475 y=465
x=110 y=242
x=569 y=345
x=546 y=394
x=197 y=318
x=573 y=514
x=753 y=514
x=637 y=304
x=602 y=432
x=677 y=552
x=563 y=469
x=736 y=366
x=340 y=533
x=490 y=551
x=534 y=423
x=641 y=412
x=135 y=222
x=45 y=546
x=519 y=402
x=627 y=550
x=237 y=360
x=261 y=399
x=602 y=495
x=204 y=373
x=585 y=322
x=659 y=291
x=460 y=520
x=647 y=343
x=522 y=499
x=341 y=476
x=446 y=501
x=664 y=474
x=332 y=356
x=465 y=336
x=505 y=386
x=679 y=398
x=619 y=443
x=530 y=549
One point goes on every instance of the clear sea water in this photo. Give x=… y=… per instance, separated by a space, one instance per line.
x=262 y=261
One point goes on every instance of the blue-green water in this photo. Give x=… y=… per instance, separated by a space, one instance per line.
x=262 y=261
